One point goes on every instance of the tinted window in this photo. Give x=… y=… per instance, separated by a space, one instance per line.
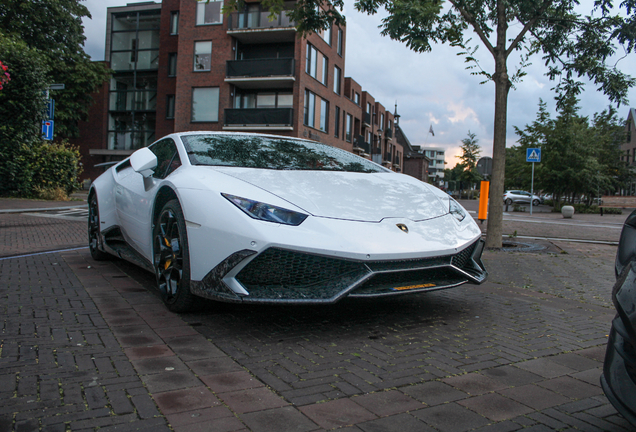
x=167 y=158
x=254 y=151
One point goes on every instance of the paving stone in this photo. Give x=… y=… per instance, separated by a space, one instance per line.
x=255 y=399
x=545 y=368
x=495 y=407
x=534 y=396
x=474 y=383
x=395 y=423
x=203 y=415
x=387 y=403
x=278 y=419
x=576 y=361
x=434 y=393
x=336 y=414
x=170 y=380
x=214 y=365
x=159 y=364
x=224 y=382
x=177 y=401
x=571 y=387
x=511 y=376
x=450 y=417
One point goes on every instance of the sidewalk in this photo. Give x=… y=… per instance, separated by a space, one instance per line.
x=88 y=344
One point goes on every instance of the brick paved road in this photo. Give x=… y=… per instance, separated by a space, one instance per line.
x=88 y=345
x=22 y=234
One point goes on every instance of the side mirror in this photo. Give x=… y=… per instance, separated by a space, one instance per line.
x=143 y=161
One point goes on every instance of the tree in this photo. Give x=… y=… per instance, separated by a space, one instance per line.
x=54 y=28
x=22 y=99
x=470 y=152
x=573 y=46
x=577 y=157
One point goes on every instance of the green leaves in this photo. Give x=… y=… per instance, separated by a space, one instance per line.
x=53 y=29
x=577 y=157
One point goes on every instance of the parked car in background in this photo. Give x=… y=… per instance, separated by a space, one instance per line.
x=619 y=369
x=519 y=196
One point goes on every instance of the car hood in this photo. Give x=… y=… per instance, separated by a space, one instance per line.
x=347 y=195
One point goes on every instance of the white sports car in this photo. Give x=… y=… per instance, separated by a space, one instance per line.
x=269 y=219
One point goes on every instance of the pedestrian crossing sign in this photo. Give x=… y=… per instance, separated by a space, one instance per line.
x=533 y=155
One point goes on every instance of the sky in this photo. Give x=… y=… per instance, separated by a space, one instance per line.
x=431 y=89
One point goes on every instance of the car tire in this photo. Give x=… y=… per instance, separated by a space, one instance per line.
x=535 y=203
x=171 y=258
x=508 y=201
x=94 y=230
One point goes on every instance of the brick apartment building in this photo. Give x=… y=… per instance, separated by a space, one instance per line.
x=182 y=65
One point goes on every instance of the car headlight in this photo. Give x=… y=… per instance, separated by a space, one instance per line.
x=456 y=210
x=266 y=212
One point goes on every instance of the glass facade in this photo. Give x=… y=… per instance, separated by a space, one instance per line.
x=134 y=57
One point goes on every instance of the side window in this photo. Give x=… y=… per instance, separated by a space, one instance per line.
x=167 y=158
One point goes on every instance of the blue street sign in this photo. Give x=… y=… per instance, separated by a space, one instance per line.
x=47 y=129
x=533 y=155
x=50 y=109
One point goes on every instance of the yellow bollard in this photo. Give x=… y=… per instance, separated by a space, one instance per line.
x=483 y=201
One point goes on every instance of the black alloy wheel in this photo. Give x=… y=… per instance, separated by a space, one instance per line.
x=535 y=202
x=171 y=258
x=94 y=230
x=508 y=201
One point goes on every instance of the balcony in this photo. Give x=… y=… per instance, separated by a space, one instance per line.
x=255 y=27
x=366 y=120
x=258 y=119
x=361 y=146
x=388 y=133
x=261 y=73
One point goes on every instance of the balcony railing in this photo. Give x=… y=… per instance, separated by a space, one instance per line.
x=258 y=20
x=387 y=157
x=367 y=119
x=388 y=133
x=259 y=117
x=359 y=143
x=260 y=67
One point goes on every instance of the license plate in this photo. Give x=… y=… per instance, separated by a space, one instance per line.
x=410 y=287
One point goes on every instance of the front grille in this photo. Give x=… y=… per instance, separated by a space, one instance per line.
x=461 y=259
x=278 y=273
x=283 y=275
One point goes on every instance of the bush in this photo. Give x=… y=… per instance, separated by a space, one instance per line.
x=32 y=171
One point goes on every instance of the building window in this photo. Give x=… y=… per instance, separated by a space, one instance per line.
x=316 y=64
x=368 y=107
x=209 y=12
x=263 y=100
x=324 y=115
x=170 y=106
x=340 y=37
x=348 y=127
x=337 y=79
x=205 y=104
x=326 y=35
x=172 y=64
x=356 y=98
x=336 y=122
x=174 y=23
x=316 y=118
x=202 y=56
x=310 y=106
x=381 y=121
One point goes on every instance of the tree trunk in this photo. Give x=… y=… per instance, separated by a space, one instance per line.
x=502 y=87
x=495 y=207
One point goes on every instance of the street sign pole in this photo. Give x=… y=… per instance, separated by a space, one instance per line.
x=532 y=190
x=533 y=155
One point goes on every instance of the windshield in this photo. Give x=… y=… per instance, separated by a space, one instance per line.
x=254 y=151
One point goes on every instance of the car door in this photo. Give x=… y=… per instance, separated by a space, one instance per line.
x=134 y=196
